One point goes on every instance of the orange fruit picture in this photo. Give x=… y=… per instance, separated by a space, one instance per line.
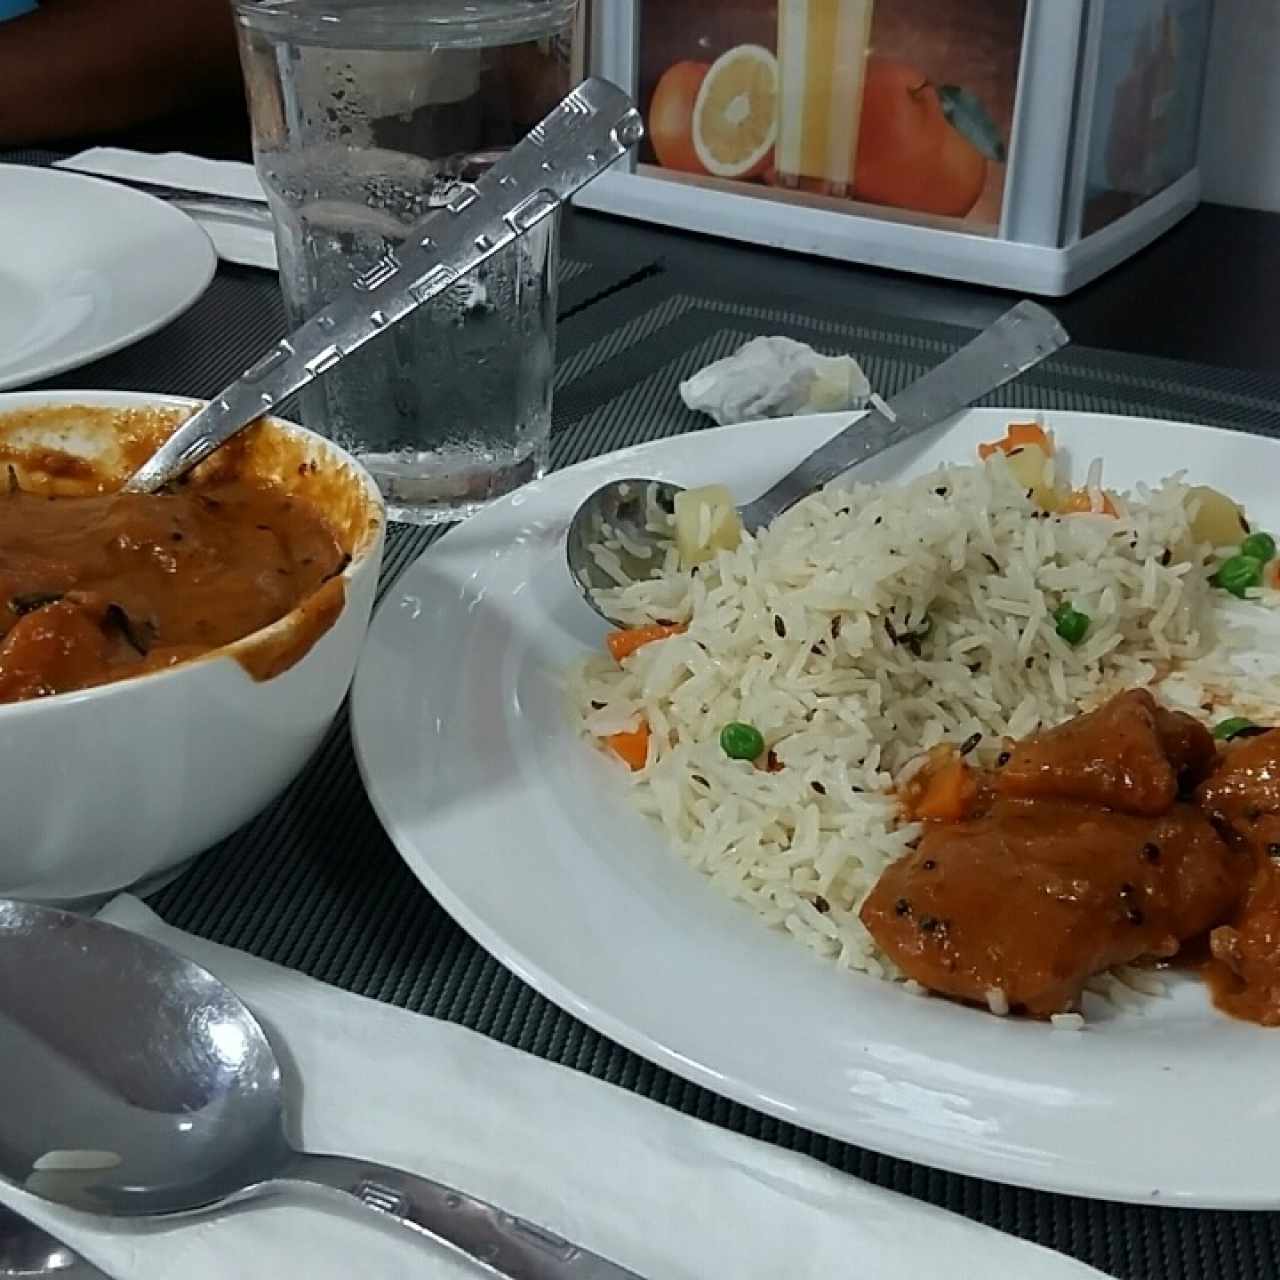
x=721 y=119
x=735 y=116
x=671 y=116
x=886 y=109
x=909 y=155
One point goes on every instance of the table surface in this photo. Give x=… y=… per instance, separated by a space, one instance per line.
x=1205 y=292
x=649 y=303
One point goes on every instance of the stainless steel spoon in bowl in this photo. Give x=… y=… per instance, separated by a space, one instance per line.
x=595 y=125
x=1020 y=339
x=137 y=1084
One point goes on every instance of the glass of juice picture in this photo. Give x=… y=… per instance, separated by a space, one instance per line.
x=822 y=57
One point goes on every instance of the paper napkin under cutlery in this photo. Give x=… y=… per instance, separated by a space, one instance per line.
x=671 y=1197
x=240 y=236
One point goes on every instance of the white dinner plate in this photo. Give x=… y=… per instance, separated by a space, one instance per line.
x=525 y=835
x=87 y=267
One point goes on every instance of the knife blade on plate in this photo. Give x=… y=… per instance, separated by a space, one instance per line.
x=29 y=1250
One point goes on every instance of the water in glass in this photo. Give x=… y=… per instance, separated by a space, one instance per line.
x=367 y=115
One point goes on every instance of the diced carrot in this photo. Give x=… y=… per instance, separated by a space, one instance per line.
x=1021 y=433
x=948 y=793
x=1079 y=500
x=1018 y=436
x=632 y=747
x=622 y=644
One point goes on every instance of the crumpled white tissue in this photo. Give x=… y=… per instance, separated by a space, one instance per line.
x=773 y=377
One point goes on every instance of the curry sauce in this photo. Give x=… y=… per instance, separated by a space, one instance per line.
x=101 y=587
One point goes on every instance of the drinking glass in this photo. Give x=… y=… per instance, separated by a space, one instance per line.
x=367 y=115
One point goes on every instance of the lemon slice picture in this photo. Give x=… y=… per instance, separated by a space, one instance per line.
x=735 y=116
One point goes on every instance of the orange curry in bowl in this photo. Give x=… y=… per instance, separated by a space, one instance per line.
x=98 y=586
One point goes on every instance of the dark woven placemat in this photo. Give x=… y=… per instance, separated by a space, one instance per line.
x=314 y=884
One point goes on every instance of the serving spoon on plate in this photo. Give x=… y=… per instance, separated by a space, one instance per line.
x=139 y=1085
x=1019 y=340
x=592 y=127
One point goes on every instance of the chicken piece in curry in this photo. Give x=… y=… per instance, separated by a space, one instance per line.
x=1243 y=796
x=1116 y=837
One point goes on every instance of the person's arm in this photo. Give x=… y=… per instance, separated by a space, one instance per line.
x=77 y=67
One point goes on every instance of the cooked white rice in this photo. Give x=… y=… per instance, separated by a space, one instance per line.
x=864 y=626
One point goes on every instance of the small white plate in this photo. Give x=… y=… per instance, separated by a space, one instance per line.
x=87 y=267
x=525 y=835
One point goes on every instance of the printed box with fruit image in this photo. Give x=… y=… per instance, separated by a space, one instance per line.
x=901 y=108
x=1021 y=144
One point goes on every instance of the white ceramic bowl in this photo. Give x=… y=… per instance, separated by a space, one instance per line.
x=114 y=786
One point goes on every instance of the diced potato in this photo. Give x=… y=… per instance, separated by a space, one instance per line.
x=1030 y=466
x=1055 y=498
x=1218 y=520
x=1027 y=465
x=706 y=522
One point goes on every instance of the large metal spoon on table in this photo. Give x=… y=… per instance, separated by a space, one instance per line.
x=1016 y=342
x=29 y=1250
x=138 y=1085
x=594 y=126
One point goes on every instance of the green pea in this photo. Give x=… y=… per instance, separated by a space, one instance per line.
x=1261 y=546
x=1071 y=624
x=741 y=741
x=1227 y=729
x=1239 y=574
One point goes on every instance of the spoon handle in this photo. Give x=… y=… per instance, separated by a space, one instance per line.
x=29 y=1250
x=595 y=125
x=507 y=1245
x=1016 y=342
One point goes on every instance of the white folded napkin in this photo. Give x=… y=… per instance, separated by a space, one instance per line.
x=237 y=237
x=774 y=377
x=654 y=1190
